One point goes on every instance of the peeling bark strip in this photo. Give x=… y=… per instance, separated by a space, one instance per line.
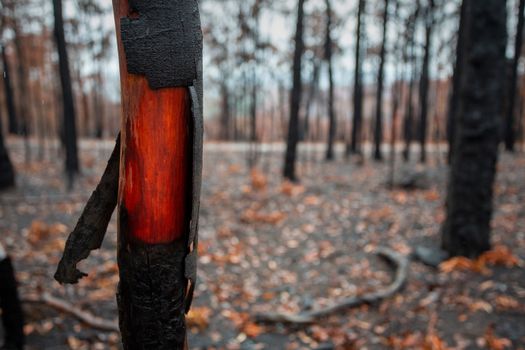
x=160 y=49
x=93 y=223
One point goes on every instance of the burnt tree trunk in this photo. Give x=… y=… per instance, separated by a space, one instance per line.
x=295 y=98
x=424 y=82
x=453 y=106
x=161 y=160
x=13 y=127
x=378 y=130
x=466 y=230
x=510 y=117
x=328 y=57
x=69 y=126
x=355 y=142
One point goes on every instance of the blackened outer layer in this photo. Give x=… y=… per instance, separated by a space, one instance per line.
x=161 y=41
x=151 y=295
x=93 y=223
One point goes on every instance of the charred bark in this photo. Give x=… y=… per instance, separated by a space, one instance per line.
x=378 y=130
x=70 y=131
x=466 y=230
x=93 y=223
x=295 y=98
x=510 y=117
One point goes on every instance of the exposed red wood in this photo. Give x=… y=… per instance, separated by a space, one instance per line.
x=156 y=156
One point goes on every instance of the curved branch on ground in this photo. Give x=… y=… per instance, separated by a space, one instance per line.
x=401 y=264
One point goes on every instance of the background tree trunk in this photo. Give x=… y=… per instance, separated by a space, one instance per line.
x=510 y=117
x=328 y=57
x=295 y=99
x=13 y=126
x=466 y=230
x=7 y=173
x=378 y=130
x=69 y=131
x=355 y=142
x=424 y=82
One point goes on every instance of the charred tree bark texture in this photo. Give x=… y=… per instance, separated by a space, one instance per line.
x=424 y=81
x=355 y=142
x=70 y=131
x=378 y=130
x=466 y=230
x=510 y=117
x=453 y=106
x=13 y=127
x=295 y=98
x=328 y=57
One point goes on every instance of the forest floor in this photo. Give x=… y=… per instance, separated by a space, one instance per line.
x=266 y=245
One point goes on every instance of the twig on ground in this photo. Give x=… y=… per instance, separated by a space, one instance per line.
x=65 y=307
x=401 y=264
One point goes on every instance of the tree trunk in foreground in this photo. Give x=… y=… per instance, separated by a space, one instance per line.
x=160 y=166
x=378 y=130
x=69 y=131
x=510 y=117
x=295 y=99
x=466 y=230
x=355 y=143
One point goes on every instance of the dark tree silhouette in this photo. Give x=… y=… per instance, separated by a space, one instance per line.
x=408 y=122
x=378 y=130
x=12 y=117
x=510 y=117
x=328 y=57
x=7 y=174
x=424 y=81
x=295 y=99
x=466 y=230
x=355 y=143
x=69 y=130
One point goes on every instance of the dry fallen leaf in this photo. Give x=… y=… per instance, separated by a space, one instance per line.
x=495 y=343
x=198 y=317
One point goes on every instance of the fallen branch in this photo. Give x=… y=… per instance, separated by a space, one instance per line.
x=63 y=306
x=399 y=261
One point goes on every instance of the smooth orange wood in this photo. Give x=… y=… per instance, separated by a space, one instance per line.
x=155 y=181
